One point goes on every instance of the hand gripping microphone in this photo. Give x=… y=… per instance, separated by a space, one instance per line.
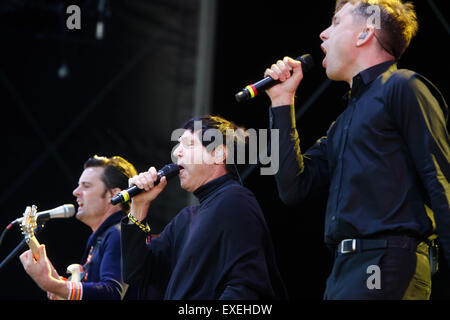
x=252 y=90
x=169 y=171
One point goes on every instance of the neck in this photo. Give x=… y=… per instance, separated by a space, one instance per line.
x=367 y=61
x=216 y=173
x=98 y=222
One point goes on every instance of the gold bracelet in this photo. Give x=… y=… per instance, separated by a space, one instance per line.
x=144 y=227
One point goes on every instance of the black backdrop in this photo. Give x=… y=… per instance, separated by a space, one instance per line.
x=126 y=93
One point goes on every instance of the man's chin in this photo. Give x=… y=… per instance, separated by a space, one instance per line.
x=183 y=185
x=332 y=75
x=79 y=215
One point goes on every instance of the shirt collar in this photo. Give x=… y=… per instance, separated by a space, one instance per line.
x=111 y=220
x=205 y=191
x=365 y=77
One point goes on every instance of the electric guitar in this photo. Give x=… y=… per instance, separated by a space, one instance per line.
x=28 y=226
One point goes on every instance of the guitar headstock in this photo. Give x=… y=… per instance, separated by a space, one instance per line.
x=29 y=222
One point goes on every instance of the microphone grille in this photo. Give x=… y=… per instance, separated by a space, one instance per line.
x=169 y=170
x=69 y=210
x=307 y=62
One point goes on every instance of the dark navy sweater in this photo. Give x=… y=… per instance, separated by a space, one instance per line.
x=219 y=249
x=104 y=279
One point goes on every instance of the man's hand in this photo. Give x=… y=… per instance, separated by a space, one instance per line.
x=43 y=272
x=284 y=93
x=145 y=181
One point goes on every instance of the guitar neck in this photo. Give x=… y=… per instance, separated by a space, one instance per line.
x=34 y=246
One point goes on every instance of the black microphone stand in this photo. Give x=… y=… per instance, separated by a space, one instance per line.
x=20 y=246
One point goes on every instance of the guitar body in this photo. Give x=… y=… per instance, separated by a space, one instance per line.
x=75 y=271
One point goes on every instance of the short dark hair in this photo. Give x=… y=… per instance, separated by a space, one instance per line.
x=398 y=22
x=226 y=128
x=116 y=172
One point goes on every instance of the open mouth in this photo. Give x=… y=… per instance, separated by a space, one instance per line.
x=325 y=58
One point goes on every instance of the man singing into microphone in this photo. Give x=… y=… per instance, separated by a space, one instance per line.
x=385 y=160
x=101 y=276
x=218 y=249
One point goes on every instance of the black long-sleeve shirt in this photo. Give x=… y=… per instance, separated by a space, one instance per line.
x=385 y=160
x=219 y=249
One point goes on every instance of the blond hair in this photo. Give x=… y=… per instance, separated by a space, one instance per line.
x=398 y=22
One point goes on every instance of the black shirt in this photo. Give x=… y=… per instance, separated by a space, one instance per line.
x=219 y=249
x=385 y=160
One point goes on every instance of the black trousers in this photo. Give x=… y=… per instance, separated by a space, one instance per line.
x=381 y=274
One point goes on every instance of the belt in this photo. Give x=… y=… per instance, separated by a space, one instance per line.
x=359 y=245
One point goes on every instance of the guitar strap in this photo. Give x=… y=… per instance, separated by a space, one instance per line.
x=92 y=253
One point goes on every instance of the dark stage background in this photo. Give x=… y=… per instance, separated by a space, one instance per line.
x=66 y=95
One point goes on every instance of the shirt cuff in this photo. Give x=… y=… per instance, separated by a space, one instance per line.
x=282 y=117
x=75 y=291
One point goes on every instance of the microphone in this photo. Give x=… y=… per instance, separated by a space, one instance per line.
x=64 y=211
x=252 y=90
x=169 y=171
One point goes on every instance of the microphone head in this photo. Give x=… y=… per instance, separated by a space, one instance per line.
x=64 y=211
x=169 y=170
x=241 y=96
x=307 y=62
x=69 y=210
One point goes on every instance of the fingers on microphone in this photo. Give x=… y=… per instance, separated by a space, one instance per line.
x=145 y=180
x=270 y=73
x=287 y=62
x=280 y=70
x=142 y=181
x=292 y=63
x=153 y=172
x=284 y=69
x=276 y=71
x=134 y=181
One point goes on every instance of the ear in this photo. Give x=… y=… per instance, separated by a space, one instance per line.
x=365 y=36
x=220 y=154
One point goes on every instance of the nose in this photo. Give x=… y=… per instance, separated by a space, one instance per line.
x=324 y=34
x=177 y=151
x=76 y=191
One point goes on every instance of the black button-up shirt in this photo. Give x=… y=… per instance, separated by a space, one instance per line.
x=385 y=160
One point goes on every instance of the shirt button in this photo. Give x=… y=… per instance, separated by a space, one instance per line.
x=333 y=218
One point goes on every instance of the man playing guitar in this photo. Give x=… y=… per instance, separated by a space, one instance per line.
x=100 y=277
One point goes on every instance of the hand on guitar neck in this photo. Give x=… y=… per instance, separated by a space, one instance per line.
x=37 y=264
x=28 y=226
